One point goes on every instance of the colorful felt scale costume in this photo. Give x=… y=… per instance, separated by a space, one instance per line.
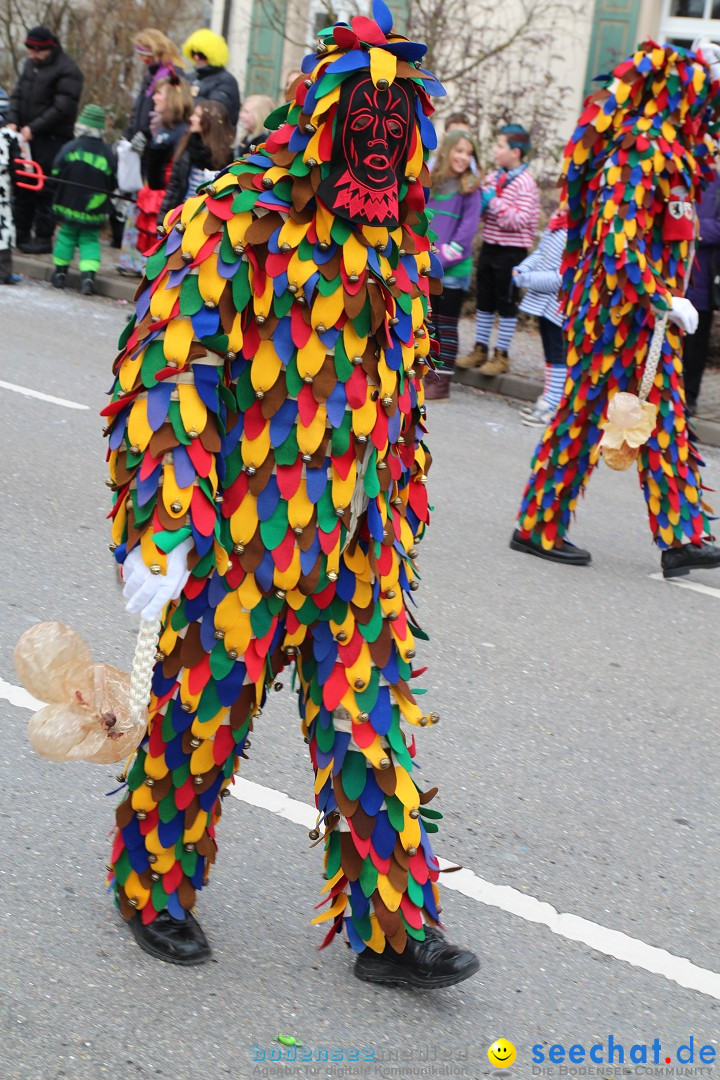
x=268 y=405
x=633 y=169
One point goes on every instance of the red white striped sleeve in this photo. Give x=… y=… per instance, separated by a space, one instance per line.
x=512 y=217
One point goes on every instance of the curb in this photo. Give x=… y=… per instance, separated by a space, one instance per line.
x=112 y=286
x=524 y=389
x=518 y=387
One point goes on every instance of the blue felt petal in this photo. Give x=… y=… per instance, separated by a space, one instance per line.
x=336 y=405
x=158 y=403
x=317 y=481
x=228 y=689
x=175 y=908
x=169 y=832
x=268 y=499
x=351 y=61
x=384 y=836
x=284 y=346
x=184 y=468
x=148 y=487
x=206 y=322
x=382 y=15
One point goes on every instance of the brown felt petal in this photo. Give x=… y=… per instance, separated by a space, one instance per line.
x=350 y=858
x=262 y=229
x=398 y=941
x=397 y=877
x=331 y=269
x=346 y=806
x=162 y=441
x=307 y=539
x=386 y=780
x=259 y=481
x=205 y=846
x=308 y=583
x=389 y=921
x=302 y=192
x=186 y=894
x=355 y=302
x=242 y=707
x=212 y=224
x=191 y=650
x=210 y=437
x=274 y=397
x=124 y=813
x=401 y=856
x=126 y=909
x=381 y=648
x=226 y=308
x=253 y=554
x=362 y=823
x=428 y=796
x=324 y=382
x=267 y=329
x=161 y=788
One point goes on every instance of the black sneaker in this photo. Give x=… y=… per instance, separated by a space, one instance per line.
x=87 y=285
x=173 y=940
x=677 y=561
x=566 y=553
x=425 y=965
x=59 y=277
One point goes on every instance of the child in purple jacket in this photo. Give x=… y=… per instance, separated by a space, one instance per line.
x=702 y=291
x=455 y=201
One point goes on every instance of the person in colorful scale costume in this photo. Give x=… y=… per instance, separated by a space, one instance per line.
x=633 y=170
x=266 y=448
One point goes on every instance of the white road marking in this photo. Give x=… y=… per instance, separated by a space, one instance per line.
x=503 y=897
x=27 y=392
x=708 y=590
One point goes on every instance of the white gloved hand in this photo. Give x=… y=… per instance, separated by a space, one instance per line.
x=710 y=53
x=683 y=314
x=148 y=593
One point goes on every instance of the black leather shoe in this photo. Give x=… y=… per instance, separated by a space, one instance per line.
x=677 y=561
x=425 y=965
x=41 y=246
x=172 y=940
x=567 y=553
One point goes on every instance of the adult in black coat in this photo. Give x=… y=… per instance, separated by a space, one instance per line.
x=209 y=54
x=43 y=108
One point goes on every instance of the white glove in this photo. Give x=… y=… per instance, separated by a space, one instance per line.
x=148 y=593
x=710 y=53
x=139 y=141
x=683 y=314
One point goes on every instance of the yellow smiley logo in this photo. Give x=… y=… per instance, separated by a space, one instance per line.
x=501 y=1054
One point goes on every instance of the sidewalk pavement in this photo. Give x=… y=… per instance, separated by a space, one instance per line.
x=524 y=381
x=527 y=366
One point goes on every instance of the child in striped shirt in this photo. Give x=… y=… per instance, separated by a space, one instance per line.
x=510 y=212
x=540 y=275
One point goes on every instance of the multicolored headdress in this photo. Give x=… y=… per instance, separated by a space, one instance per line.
x=360 y=117
x=657 y=112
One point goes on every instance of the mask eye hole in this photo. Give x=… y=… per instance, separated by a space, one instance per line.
x=395 y=128
x=362 y=122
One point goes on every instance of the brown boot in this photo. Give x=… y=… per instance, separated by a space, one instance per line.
x=478 y=356
x=499 y=364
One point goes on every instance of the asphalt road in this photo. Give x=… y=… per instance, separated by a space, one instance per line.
x=577 y=759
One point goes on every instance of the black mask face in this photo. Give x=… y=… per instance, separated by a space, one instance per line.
x=373 y=128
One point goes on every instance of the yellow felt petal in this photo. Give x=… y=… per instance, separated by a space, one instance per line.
x=135 y=891
x=309 y=438
x=139 y=430
x=151 y=554
x=265 y=367
x=248 y=593
x=209 y=281
x=338 y=905
x=254 y=451
x=201 y=759
x=293 y=232
x=193 y=411
x=299 y=270
x=129 y=370
x=364 y=418
x=354 y=255
x=244 y=522
x=173 y=495
x=377 y=938
x=383 y=65
x=389 y=896
x=311 y=357
x=237 y=226
x=194 y=235
x=178 y=338
x=326 y=310
x=300 y=508
x=195 y=832
x=287 y=579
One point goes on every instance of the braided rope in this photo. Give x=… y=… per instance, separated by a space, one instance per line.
x=142 y=669
x=653 y=357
